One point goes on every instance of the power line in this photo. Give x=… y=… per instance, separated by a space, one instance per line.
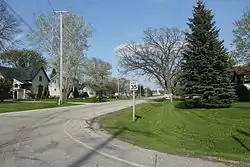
x=19 y=17
x=22 y=20
x=51 y=6
x=31 y=29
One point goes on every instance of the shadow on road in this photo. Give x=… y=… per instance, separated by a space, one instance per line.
x=83 y=159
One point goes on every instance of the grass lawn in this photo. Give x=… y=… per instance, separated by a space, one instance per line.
x=194 y=132
x=21 y=106
x=90 y=100
x=87 y=100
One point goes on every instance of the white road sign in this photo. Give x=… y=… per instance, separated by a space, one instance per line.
x=133 y=85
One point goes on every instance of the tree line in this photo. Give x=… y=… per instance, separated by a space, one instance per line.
x=44 y=39
x=193 y=61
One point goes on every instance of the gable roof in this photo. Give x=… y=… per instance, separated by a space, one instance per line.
x=35 y=74
x=19 y=74
x=241 y=69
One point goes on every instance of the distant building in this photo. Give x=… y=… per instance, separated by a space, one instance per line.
x=81 y=87
x=241 y=75
x=158 y=92
x=25 y=85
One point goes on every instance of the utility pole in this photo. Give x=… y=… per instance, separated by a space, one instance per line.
x=61 y=53
x=118 y=84
x=140 y=91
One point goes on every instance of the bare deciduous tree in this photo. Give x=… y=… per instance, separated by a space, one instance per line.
x=97 y=73
x=158 y=55
x=9 y=27
x=76 y=33
x=242 y=39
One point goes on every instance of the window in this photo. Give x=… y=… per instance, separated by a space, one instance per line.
x=40 y=78
x=16 y=85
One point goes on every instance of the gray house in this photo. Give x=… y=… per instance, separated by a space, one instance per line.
x=25 y=84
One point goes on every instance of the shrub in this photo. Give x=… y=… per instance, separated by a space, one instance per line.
x=5 y=86
x=39 y=92
x=75 y=93
x=84 y=95
x=242 y=92
x=45 y=93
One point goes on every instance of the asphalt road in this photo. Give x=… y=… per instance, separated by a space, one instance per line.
x=64 y=137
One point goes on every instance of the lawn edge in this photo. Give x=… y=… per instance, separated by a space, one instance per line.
x=229 y=162
x=41 y=109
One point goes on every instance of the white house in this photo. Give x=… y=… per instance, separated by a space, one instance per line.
x=157 y=92
x=25 y=85
x=81 y=87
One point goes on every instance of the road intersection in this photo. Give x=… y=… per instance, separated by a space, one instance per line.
x=64 y=137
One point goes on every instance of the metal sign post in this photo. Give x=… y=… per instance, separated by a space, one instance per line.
x=133 y=105
x=133 y=87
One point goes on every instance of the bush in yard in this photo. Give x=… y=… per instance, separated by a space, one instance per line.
x=84 y=95
x=5 y=86
x=242 y=92
x=75 y=93
x=39 y=92
x=46 y=93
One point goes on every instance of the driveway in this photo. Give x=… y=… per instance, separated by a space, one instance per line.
x=64 y=137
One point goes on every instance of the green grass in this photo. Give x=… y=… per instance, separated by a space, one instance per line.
x=90 y=100
x=21 y=106
x=194 y=132
x=87 y=100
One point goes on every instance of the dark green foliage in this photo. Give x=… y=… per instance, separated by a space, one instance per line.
x=28 y=60
x=206 y=69
x=46 y=93
x=75 y=93
x=53 y=73
x=5 y=86
x=140 y=91
x=242 y=92
x=148 y=92
x=39 y=92
x=141 y=88
x=85 y=95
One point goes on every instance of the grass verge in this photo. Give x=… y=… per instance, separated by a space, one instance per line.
x=21 y=106
x=221 y=133
x=91 y=100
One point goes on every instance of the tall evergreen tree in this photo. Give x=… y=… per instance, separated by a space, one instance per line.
x=206 y=70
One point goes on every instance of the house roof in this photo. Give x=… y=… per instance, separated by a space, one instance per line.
x=241 y=69
x=35 y=74
x=19 y=74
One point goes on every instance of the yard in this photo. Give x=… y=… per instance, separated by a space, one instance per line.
x=81 y=100
x=90 y=100
x=192 y=132
x=21 y=106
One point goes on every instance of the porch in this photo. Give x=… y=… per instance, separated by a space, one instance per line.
x=21 y=91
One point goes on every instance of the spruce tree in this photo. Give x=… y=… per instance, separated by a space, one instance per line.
x=206 y=69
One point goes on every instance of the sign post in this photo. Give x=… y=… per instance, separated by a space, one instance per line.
x=133 y=105
x=133 y=87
